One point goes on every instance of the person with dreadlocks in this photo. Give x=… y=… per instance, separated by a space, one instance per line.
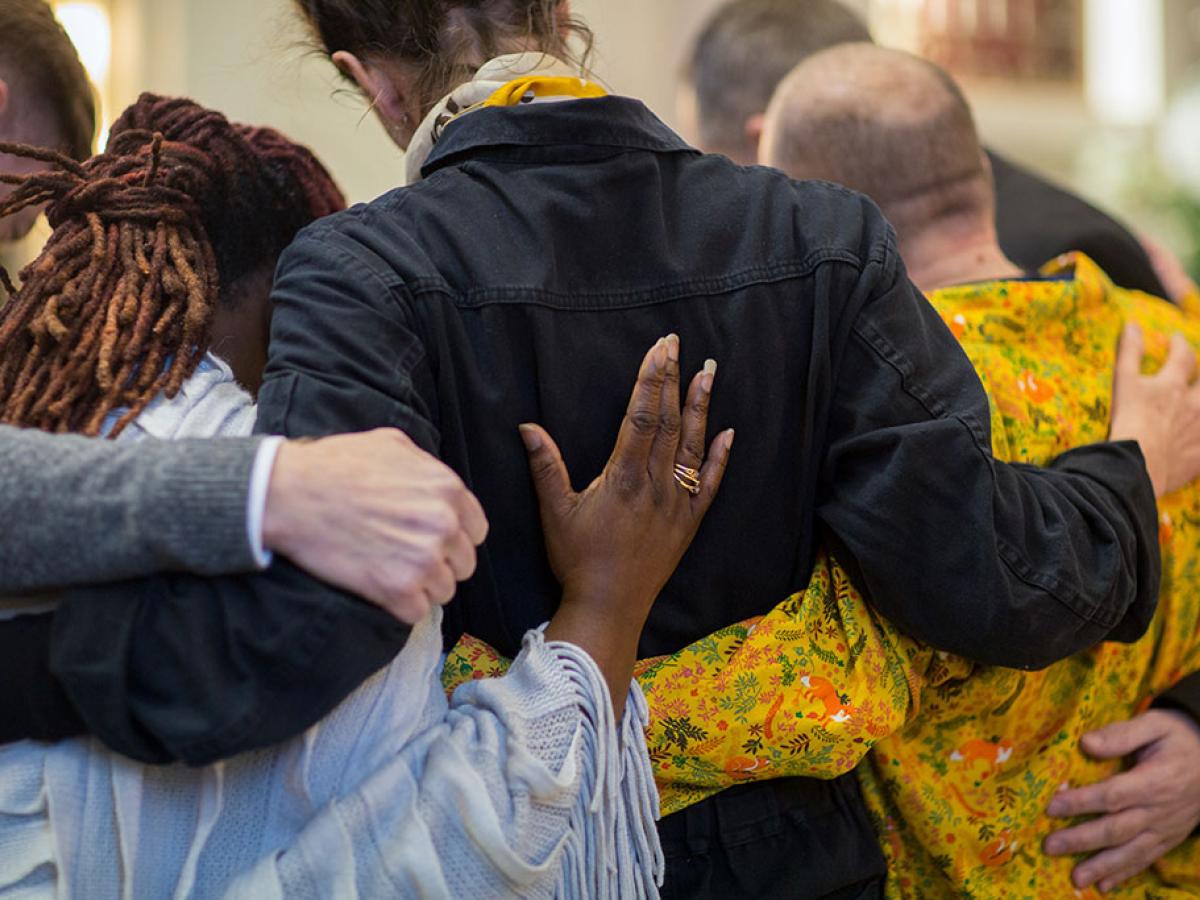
x=533 y=785
x=132 y=301
x=130 y=294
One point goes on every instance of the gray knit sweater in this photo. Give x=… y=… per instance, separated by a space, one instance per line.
x=75 y=511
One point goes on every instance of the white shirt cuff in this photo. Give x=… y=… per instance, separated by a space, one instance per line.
x=256 y=503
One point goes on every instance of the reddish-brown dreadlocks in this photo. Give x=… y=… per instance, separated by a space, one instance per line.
x=118 y=308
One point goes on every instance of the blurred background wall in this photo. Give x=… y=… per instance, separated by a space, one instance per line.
x=1103 y=95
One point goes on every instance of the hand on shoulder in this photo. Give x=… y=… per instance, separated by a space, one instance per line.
x=374 y=514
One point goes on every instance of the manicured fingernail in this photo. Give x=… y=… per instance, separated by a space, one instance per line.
x=673 y=347
x=708 y=376
x=531 y=436
x=729 y=436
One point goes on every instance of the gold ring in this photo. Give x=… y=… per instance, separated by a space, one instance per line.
x=687 y=478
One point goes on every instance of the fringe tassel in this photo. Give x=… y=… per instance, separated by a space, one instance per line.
x=612 y=851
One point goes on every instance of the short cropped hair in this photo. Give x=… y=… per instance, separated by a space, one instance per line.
x=886 y=124
x=747 y=48
x=41 y=64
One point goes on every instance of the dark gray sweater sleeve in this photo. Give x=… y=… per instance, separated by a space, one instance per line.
x=75 y=511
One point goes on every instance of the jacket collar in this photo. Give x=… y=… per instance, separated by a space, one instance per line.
x=605 y=122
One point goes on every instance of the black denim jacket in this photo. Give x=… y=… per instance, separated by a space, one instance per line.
x=548 y=247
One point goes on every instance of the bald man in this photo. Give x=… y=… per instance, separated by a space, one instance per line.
x=899 y=130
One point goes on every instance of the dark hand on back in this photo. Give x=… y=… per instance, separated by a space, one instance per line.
x=615 y=544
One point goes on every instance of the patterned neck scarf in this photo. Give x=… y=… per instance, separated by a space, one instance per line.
x=504 y=81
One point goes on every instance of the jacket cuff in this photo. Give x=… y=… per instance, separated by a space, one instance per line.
x=256 y=504
x=1120 y=468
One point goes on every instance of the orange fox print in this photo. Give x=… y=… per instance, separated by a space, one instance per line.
x=768 y=730
x=991 y=754
x=1034 y=387
x=745 y=766
x=824 y=690
x=999 y=851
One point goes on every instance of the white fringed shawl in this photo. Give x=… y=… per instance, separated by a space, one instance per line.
x=522 y=786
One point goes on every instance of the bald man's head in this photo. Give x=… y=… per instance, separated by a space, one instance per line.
x=884 y=123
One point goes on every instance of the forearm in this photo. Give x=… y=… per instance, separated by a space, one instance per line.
x=80 y=511
x=734 y=706
x=611 y=645
x=1014 y=566
x=193 y=669
x=1006 y=565
x=805 y=691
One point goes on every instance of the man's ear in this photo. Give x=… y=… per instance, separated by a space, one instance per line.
x=377 y=85
x=4 y=97
x=754 y=128
x=564 y=19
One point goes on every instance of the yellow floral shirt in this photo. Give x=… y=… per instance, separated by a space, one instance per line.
x=958 y=792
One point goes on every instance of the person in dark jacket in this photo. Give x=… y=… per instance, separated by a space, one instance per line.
x=748 y=46
x=549 y=230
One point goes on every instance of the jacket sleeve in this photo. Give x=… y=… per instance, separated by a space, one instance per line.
x=1003 y=564
x=40 y=709
x=180 y=667
x=80 y=511
x=806 y=691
